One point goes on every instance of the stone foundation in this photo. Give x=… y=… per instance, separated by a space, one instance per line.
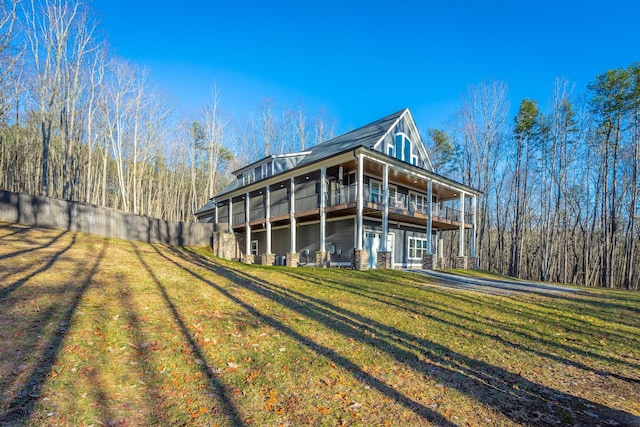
x=360 y=259
x=461 y=262
x=293 y=258
x=268 y=259
x=441 y=264
x=429 y=262
x=226 y=246
x=474 y=263
x=384 y=260
x=248 y=259
x=322 y=259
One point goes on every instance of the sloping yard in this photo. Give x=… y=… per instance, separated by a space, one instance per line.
x=97 y=331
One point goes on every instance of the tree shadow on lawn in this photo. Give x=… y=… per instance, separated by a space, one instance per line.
x=198 y=355
x=528 y=331
x=480 y=325
x=491 y=385
x=143 y=355
x=20 y=407
x=4 y=292
x=17 y=229
x=323 y=351
x=601 y=307
x=37 y=246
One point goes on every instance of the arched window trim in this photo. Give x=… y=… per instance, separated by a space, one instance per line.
x=392 y=149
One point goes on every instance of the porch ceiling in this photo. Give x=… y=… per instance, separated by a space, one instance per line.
x=405 y=179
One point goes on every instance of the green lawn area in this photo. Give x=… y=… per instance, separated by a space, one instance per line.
x=105 y=332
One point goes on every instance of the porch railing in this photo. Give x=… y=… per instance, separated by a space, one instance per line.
x=256 y=214
x=307 y=203
x=346 y=194
x=279 y=209
x=238 y=218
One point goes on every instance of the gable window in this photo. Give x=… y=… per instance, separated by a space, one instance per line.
x=398 y=147
x=403 y=149
x=391 y=150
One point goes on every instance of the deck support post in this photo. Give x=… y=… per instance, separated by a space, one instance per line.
x=267 y=218
x=385 y=212
x=292 y=214
x=230 y=209
x=248 y=256
x=323 y=218
x=461 y=241
x=360 y=203
x=430 y=216
x=474 y=208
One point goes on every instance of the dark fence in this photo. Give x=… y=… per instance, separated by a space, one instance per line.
x=75 y=216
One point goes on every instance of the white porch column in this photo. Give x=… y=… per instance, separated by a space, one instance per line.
x=430 y=218
x=440 y=244
x=461 y=243
x=230 y=209
x=267 y=217
x=323 y=219
x=360 y=203
x=292 y=213
x=474 y=237
x=215 y=212
x=247 y=227
x=385 y=203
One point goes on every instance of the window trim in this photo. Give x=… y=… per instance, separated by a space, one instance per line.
x=424 y=198
x=248 y=177
x=415 y=249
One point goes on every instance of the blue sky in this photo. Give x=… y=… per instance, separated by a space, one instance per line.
x=364 y=60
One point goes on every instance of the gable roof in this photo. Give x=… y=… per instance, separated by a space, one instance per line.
x=369 y=136
x=366 y=136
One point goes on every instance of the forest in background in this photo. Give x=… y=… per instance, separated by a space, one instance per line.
x=560 y=179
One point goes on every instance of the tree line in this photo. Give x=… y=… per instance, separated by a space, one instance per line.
x=79 y=123
x=559 y=180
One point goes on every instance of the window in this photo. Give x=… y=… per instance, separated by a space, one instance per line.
x=254 y=247
x=375 y=191
x=418 y=202
x=391 y=150
x=417 y=247
x=403 y=149
x=393 y=196
x=398 y=147
x=265 y=170
x=248 y=178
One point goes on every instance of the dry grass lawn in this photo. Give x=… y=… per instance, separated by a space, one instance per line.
x=105 y=332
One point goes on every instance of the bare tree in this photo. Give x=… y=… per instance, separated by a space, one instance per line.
x=58 y=35
x=218 y=155
x=480 y=139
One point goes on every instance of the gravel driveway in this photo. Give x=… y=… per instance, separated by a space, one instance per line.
x=494 y=286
